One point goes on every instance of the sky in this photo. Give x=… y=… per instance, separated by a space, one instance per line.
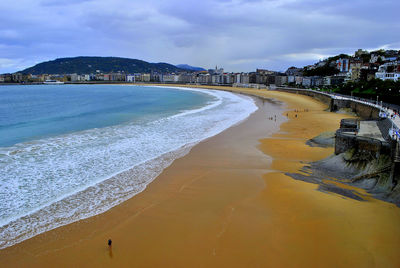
x=238 y=35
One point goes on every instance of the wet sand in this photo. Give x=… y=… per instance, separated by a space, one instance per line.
x=228 y=203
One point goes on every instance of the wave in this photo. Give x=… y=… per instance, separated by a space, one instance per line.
x=56 y=181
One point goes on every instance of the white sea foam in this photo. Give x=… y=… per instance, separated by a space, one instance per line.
x=55 y=181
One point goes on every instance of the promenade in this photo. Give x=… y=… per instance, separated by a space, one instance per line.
x=387 y=110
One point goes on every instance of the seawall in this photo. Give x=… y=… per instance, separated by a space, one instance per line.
x=377 y=157
x=363 y=110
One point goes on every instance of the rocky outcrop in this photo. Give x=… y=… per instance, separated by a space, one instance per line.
x=358 y=161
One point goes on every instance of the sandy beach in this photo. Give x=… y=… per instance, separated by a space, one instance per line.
x=229 y=203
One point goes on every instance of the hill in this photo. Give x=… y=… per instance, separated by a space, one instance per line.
x=190 y=68
x=88 y=65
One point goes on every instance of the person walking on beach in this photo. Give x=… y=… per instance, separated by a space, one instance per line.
x=110 y=253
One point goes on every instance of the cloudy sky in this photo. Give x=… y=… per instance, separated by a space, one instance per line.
x=239 y=35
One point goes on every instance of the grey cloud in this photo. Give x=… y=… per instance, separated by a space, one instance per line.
x=62 y=2
x=240 y=35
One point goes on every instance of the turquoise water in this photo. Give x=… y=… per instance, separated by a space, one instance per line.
x=33 y=112
x=68 y=152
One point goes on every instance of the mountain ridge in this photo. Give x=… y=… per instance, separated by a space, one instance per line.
x=93 y=64
x=190 y=68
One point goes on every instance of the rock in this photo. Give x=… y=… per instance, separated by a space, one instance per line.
x=325 y=139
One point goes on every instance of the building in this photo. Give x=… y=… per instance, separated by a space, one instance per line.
x=388 y=71
x=291 y=79
x=170 y=78
x=17 y=77
x=186 y=78
x=376 y=58
x=130 y=78
x=216 y=71
x=281 y=80
x=368 y=71
x=74 y=77
x=244 y=78
x=337 y=80
x=298 y=80
x=203 y=78
x=228 y=78
x=138 y=77
x=145 y=77
x=387 y=76
x=355 y=70
x=217 y=79
x=343 y=65
x=85 y=77
x=312 y=81
x=360 y=52
x=327 y=81
x=307 y=82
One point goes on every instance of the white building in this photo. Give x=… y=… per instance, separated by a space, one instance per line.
x=387 y=76
x=85 y=77
x=298 y=80
x=375 y=57
x=217 y=79
x=75 y=77
x=306 y=81
x=170 y=78
x=327 y=81
x=145 y=77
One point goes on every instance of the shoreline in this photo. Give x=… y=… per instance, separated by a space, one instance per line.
x=144 y=172
x=229 y=202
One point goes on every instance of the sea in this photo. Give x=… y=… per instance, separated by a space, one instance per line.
x=69 y=152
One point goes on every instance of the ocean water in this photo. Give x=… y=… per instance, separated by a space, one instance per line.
x=68 y=152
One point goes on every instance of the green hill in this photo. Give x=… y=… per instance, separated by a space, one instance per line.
x=88 y=65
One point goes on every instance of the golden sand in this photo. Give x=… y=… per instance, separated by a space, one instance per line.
x=229 y=204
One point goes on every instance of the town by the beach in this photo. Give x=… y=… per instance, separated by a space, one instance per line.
x=233 y=133
x=233 y=201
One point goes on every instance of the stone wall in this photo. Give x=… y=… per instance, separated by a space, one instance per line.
x=345 y=140
x=364 y=111
x=314 y=94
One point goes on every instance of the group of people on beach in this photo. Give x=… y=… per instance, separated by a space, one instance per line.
x=297 y=111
